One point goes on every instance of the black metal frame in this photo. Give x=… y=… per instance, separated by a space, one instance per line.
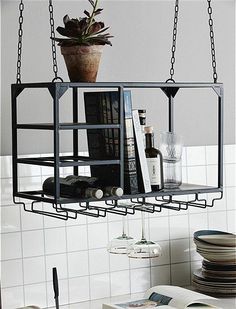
x=163 y=198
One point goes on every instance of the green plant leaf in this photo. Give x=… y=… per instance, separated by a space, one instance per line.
x=92 y=3
x=86 y=13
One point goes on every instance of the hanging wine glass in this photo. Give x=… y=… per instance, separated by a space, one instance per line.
x=120 y=244
x=144 y=249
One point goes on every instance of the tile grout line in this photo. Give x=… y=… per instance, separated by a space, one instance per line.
x=22 y=255
x=109 y=258
x=45 y=259
x=89 y=275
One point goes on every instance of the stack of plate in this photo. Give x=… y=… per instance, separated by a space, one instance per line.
x=218 y=273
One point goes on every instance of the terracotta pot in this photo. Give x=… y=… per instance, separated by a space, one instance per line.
x=82 y=62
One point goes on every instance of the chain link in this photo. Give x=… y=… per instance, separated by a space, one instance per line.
x=212 y=40
x=173 y=49
x=20 y=36
x=54 y=52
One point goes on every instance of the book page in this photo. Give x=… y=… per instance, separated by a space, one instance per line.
x=181 y=297
x=142 y=304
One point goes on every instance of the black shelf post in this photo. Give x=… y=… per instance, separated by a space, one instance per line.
x=75 y=132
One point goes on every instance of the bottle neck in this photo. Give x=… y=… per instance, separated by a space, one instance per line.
x=149 y=140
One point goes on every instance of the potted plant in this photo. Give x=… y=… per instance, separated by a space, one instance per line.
x=83 y=45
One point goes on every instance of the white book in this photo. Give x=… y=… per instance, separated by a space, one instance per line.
x=169 y=297
x=141 y=152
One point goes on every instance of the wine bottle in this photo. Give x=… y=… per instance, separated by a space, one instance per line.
x=142 y=120
x=113 y=191
x=69 y=187
x=72 y=186
x=154 y=161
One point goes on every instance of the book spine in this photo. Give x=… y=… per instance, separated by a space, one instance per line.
x=130 y=167
x=141 y=153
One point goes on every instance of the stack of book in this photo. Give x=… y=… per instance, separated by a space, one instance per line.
x=104 y=108
x=218 y=272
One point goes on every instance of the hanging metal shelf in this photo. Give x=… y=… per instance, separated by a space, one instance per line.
x=59 y=206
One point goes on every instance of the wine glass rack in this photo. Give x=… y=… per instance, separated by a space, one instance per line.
x=65 y=208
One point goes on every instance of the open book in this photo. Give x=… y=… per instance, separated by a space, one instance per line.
x=167 y=296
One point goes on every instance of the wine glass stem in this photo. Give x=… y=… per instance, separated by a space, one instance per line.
x=123 y=227
x=143 y=225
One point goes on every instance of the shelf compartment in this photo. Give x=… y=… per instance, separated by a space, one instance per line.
x=67 y=161
x=185 y=189
x=89 y=207
x=66 y=126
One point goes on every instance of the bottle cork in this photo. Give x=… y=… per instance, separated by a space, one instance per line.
x=148 y=130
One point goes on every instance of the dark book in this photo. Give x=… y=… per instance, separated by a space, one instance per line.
x=103 y=108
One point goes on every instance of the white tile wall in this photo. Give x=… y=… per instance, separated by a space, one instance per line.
x=32 y=244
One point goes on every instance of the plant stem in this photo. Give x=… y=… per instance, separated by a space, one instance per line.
x=143 y=226
x=92 y=16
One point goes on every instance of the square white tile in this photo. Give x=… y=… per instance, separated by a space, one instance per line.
x=180 y=251
x=30 y=183
x=212 y=175
x=196 y=155
x=160 y=275
x=6 y=192
x=218 y=221
x=230 y=153
x=11 y=273
x=231 y=221
x=197 y=175
x=6 y=166
x=118 y=262
x=230 y=175
x=159 y=228
x=197 y=222
x=78 y=264
x=180 y=274
x=98 y=261
x=78 y=289
x=36 y=294
x=11 y=246
x=120 y=283
x=12 y=297
x=25 y=170
x=100 y=286
x=55 y=240
x=34 y=270
x=60 y=262
x=140 y=280
x=211 y=155
x=114 y=229
x=33 y=243
x=179 y=227
x=230 y=198
x=77 y=238
x=10 y=219
x=97 y=235
x=31 y=221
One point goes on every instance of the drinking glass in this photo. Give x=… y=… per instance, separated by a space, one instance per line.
x=120 y=244
x=144 y=249
x=171 y=146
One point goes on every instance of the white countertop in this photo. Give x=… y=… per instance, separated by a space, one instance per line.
x=225 y=303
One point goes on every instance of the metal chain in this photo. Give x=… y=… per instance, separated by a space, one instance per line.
x=19 y=50
x=173 y=49
x=54 y=52
x=212 y=39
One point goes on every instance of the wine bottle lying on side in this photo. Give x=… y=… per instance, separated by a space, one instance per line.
x=80 y=186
